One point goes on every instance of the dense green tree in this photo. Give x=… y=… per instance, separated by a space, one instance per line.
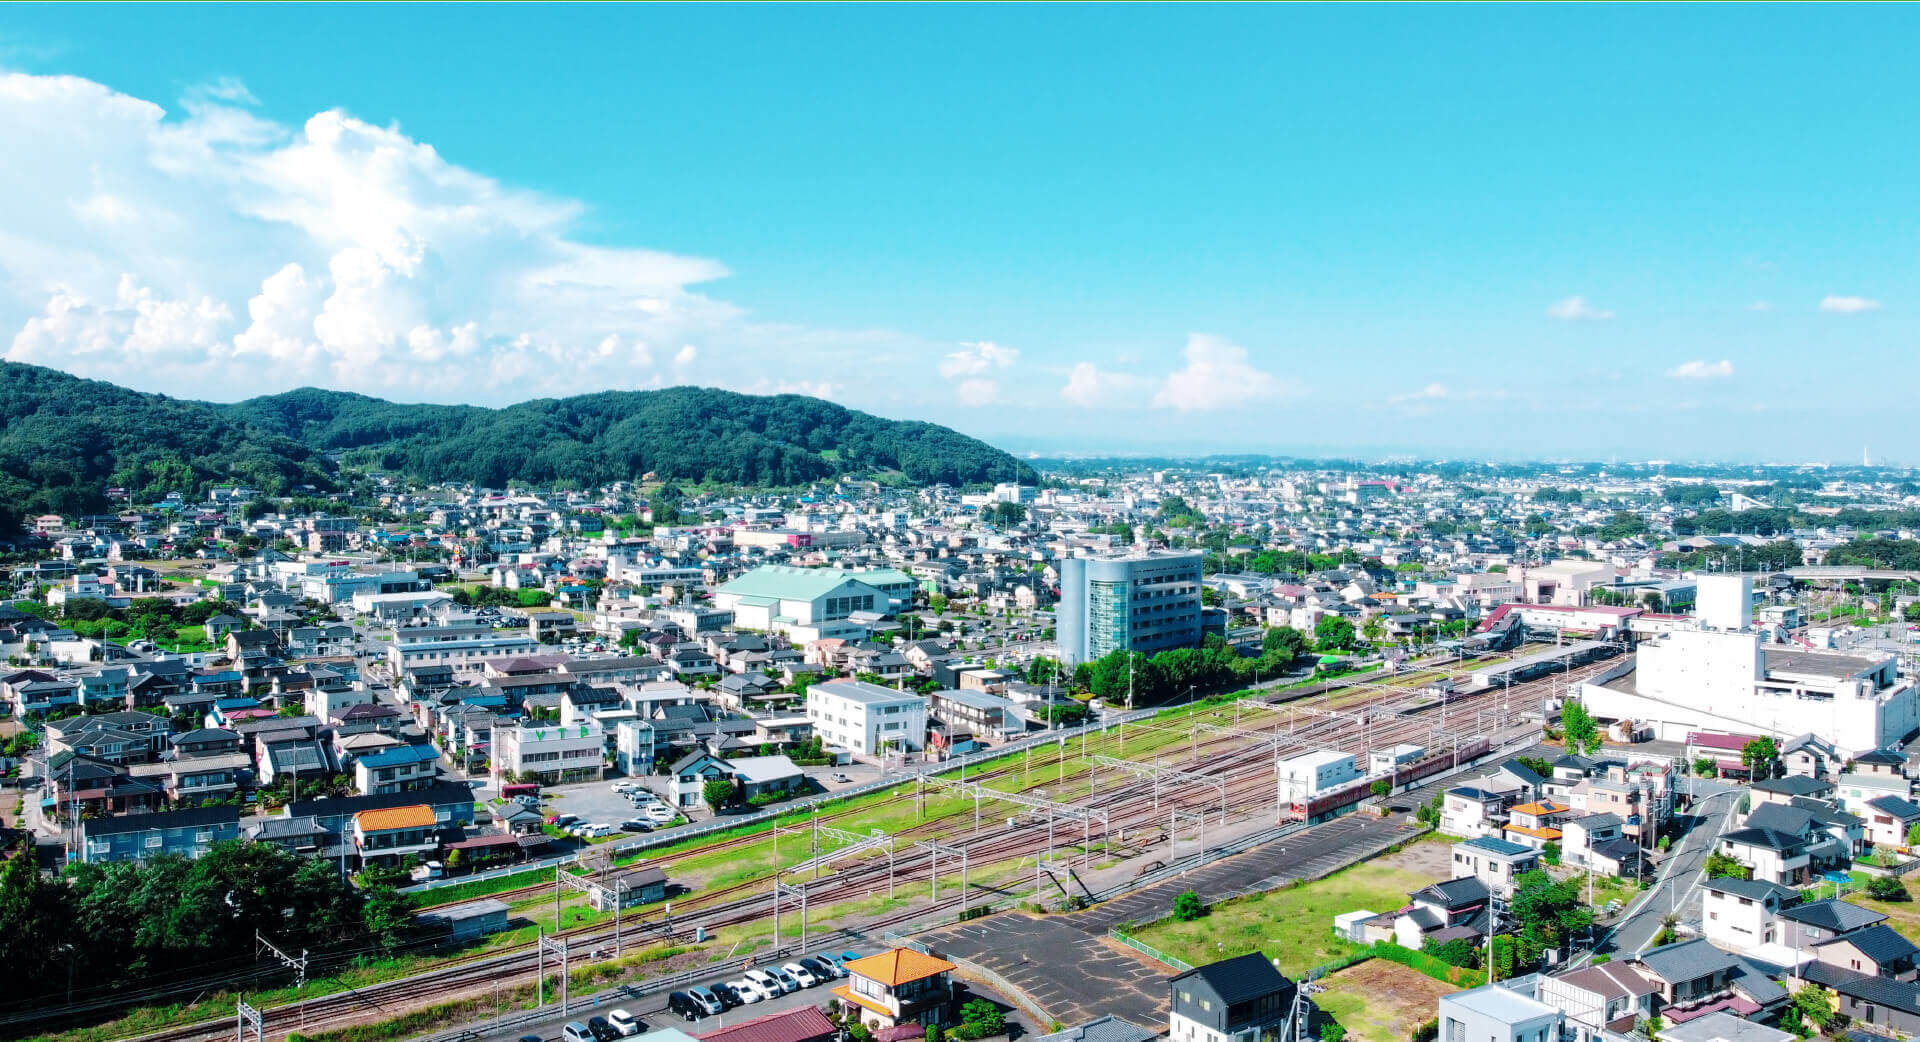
x=1333 y=633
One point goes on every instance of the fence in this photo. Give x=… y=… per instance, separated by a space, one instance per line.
x=1148 y=950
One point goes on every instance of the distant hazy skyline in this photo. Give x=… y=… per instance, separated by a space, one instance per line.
x=1675 y=232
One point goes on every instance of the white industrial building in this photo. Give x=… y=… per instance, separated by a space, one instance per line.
x=808 y=604
x=1721 y=677
x=863 y=718
x=1307 y=775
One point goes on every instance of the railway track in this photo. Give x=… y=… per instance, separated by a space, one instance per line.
x=1132 y=806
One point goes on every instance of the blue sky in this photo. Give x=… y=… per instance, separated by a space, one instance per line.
x=1597 y=231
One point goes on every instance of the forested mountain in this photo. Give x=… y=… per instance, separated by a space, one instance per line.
x=64 y=441
x=689 y=433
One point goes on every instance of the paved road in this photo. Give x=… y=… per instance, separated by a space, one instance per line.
x=1107 y=977
x=1677 y=890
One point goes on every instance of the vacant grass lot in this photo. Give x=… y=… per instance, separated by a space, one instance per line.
x=1293 y=925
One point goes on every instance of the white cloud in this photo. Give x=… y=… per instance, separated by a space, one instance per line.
x=978 y=358
x=1576 y=309
x=1848 y=305
x=1700 y=369
x=1426 y=400
x=1217 y=376
x=215 y=253
x=1088 y=386
x=971 y=366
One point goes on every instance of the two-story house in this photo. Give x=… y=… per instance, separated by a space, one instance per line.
x=1233 y=1000
x=1536 y=824
x=1596 y=1000
x=1877 y=950
x=1743 y=914
x=129 y=837
x=1599 y=843
x=1769 y=854
x=1495 y=862
x=898 y=986
x=397 y=769
x=390 y=836
x=1692 y=978
x=1470 y=812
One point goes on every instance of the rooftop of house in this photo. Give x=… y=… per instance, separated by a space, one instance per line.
x=897 y=966
x=414 y=816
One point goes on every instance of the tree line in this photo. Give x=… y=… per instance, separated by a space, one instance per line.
x=122 y=923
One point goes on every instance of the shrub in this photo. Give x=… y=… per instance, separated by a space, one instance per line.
x=1187 y=907
x=1887 y=888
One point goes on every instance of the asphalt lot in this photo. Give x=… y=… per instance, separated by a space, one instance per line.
x=652 y=1009
x=596 y=801
x=1107 y=977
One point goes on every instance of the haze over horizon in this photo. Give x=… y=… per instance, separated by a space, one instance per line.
x=1515 y=232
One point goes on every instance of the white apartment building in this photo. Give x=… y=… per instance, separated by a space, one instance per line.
x=862 y=718
x=466 y=648
x=550 y=752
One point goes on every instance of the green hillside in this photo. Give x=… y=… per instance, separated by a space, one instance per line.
x=65 y=440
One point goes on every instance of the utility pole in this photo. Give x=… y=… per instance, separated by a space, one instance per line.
x=246 y=1016
x=800 y=891
x=559 y=947
x=934 y=849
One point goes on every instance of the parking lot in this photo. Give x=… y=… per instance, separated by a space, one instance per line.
x=597 y=801
x=652 y=1009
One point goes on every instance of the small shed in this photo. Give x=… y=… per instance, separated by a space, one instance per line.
x=1352 y=925
x=470 y=920
x=634 y=886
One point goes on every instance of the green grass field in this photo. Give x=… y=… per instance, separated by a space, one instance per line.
x=1293 y=925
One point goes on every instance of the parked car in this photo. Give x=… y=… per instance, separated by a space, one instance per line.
x=708 y=1001
x=602 y=1030
x=820 y=968
x=788 y=982
x=745 y=991
x=659 y=813
x=527 y=801
x=563 y=820
x=764 y=983
x=635 y=825
x=682 y=1005
x=841 y=778
x=430 y=870
x=625 y=1023
x=807 y=978
x=576 y=1032
x=834 y=960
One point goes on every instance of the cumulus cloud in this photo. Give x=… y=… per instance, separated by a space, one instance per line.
x=1089 y=386
x=1576 y=309
x=970 y=367
x=213 y=252
x=1217 y=376
x=1847 y=305
x=1700 y=369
